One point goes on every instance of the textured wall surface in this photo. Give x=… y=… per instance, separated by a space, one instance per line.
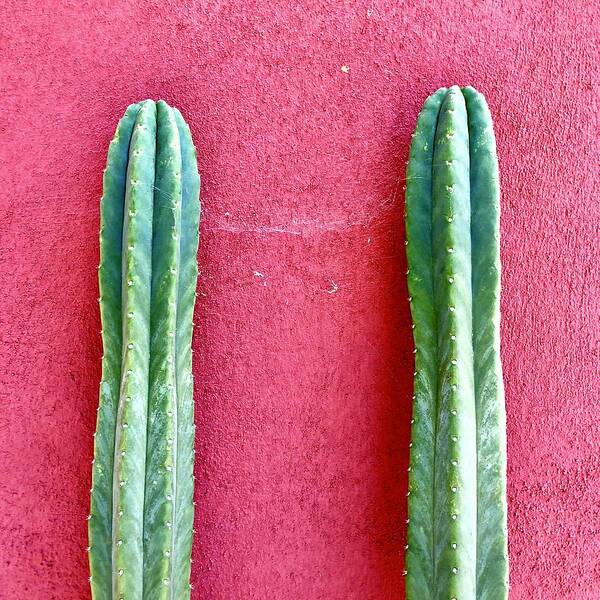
x=302 y=114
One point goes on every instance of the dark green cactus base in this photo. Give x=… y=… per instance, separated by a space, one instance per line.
x=457 y=537
x=140 y=523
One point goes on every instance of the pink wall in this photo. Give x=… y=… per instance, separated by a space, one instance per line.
x=303 y=350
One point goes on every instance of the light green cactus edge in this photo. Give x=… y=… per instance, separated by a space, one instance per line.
x=457 y=534
x=141 y=518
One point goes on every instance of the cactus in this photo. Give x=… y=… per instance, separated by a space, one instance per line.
x=457 y=538
x=140 y=524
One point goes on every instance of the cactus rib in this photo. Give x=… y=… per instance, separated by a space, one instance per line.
x=141 y=519
x=186 y=294
x=110 y=278
x=492 y=551
x=457 y=512
x=161 y=473
x=132 y=414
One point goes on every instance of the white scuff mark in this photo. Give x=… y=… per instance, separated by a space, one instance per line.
x=334 y=287
x=345 y=69
x=261 y=276
x=277 y=230
x=300 y=230
x=260 y=229
x=300 y=227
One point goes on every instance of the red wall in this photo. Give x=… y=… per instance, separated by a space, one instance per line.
x=303 y=357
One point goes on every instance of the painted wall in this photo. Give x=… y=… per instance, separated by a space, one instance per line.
x=303 y=357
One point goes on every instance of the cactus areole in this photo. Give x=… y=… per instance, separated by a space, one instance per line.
x=140 y=524
x=457 y=537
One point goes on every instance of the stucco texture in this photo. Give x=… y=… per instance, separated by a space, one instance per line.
x=302 y=114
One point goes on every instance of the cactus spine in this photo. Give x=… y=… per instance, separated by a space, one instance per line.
x=457 y=539
x=140 y=524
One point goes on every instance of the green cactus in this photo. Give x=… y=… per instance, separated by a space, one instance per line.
x=140 y=524
x=457 y=537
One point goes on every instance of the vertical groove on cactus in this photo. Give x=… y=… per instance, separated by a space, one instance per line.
x=141 y=507
x=457 y=509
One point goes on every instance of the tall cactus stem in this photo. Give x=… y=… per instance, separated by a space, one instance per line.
x=457 y=509
x=141 y=516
